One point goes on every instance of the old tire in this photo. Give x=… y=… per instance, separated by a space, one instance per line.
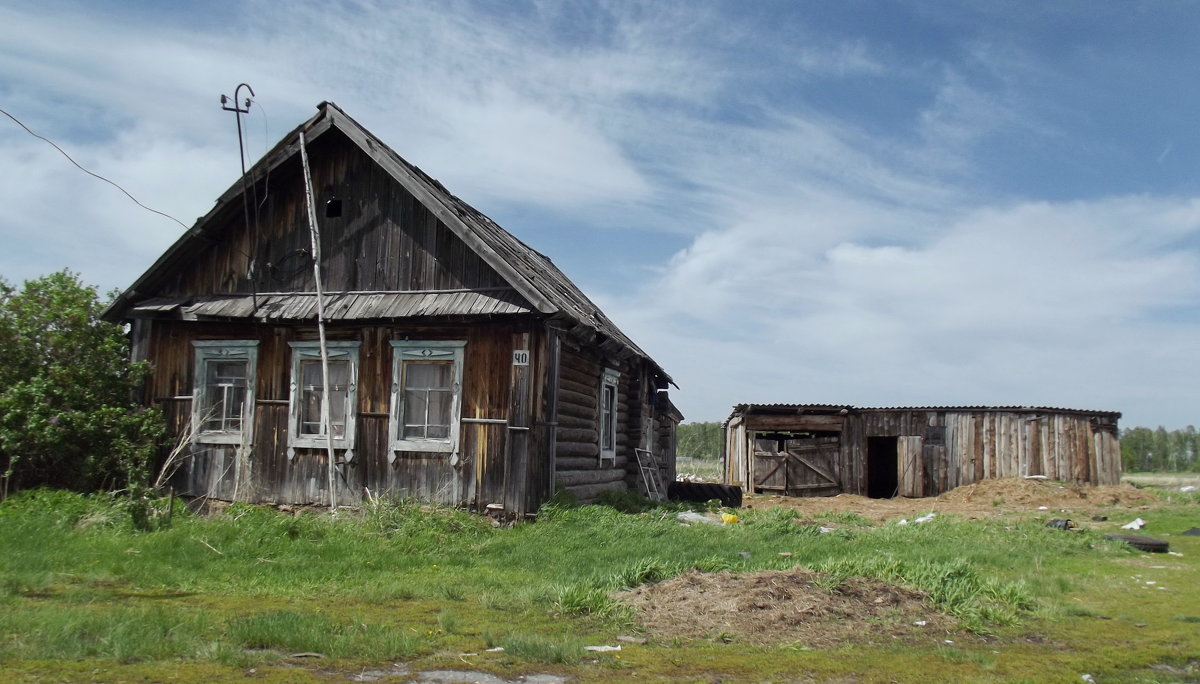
x=730 y=496
x=1141 y=542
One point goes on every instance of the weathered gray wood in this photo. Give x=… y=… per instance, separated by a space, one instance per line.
x=566 y=421
x=578 y=435
x=578 y=463
x=589 y=493
x=569 y=398
x=568 y=449
x=520 y=402
x=819 y=469
x=569 y=478
x=592 y=388
x=801 y=422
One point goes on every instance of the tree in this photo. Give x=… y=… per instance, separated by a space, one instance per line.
x=67 y=412
x=699 y=440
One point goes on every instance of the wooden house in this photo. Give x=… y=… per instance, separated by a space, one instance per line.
x=825 y=450
x=461 y=366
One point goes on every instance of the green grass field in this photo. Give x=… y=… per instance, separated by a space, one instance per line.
x=290 y=598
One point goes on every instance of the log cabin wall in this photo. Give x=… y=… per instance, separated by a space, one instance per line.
x=481 y=474
x=579 y=469
x=930 y=451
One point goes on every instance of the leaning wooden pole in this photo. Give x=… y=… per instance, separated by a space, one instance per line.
x=315 y=236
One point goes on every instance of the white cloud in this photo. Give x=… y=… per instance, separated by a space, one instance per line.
x=826 y=261
x=1037 y=303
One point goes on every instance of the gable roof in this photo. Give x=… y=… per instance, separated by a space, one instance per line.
x=531 y=274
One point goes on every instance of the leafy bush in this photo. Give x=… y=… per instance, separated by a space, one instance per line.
x=67 y=412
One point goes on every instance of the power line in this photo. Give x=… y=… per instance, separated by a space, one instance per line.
x=94 y=175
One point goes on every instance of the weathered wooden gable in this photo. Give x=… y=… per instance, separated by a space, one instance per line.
x=384 y=240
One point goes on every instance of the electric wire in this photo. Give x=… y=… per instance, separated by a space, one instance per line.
x=90 y=173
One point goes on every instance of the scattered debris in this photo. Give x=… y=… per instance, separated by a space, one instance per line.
x=1141 y=542
x=1135 y=524
x=1060 y=524
x=1194 y=532
x=1100 y=518
x=925 y=518
x=1088 y=678
x=1043 y=508
x=601 y=649
x=691 y=518
x=469 y=677
x=631 y=639
x=1188 y=488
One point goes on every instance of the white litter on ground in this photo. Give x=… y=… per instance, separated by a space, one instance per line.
x=1135 y=524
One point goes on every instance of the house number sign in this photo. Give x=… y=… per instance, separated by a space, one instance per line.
x=520 y=357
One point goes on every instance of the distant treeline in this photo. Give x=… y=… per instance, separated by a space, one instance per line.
x=1142 y=448
x=699 y=440
x=1159 y=449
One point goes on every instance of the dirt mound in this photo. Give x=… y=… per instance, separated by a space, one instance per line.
x=982 y=499
x=1023 y=492
x=782 y=607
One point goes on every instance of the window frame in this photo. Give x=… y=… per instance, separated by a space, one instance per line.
x=610 y=381
x=311 y=351
x=453 y=351
x=207 y=351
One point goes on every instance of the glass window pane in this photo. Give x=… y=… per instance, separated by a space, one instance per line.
x=310 y=374
x=427 y=375
x=339 y=374
x=224 y=395
x=337 y=411
x=428 y=399
x=608 y=417
x=312 y=388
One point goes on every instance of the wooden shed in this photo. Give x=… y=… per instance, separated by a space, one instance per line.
x=461 y=366
x=825 y=450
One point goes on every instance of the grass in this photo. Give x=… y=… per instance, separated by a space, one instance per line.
x=205 y=598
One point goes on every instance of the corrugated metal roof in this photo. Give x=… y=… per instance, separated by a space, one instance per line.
x=797 y=408
x=343 y=306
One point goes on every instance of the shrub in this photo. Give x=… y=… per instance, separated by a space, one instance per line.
x=67 y=412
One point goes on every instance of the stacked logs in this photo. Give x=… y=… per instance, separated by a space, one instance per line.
x=577 y=447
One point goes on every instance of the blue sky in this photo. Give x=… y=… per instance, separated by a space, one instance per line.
x=874 y=203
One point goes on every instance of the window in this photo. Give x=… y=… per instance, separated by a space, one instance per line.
x=305 y=427
x=223 y=391
x=426 y=395
x=609 y=385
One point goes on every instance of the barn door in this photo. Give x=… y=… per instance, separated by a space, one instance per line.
x=802 y=467
x=912 y=466
x=812 y=464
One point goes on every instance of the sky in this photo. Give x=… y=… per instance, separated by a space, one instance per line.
x=868 y=203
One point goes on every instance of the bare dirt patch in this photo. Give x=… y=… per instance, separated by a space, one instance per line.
x=784 y=607
x=982 y=499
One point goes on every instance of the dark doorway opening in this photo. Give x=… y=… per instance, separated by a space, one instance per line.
x=883 y=467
